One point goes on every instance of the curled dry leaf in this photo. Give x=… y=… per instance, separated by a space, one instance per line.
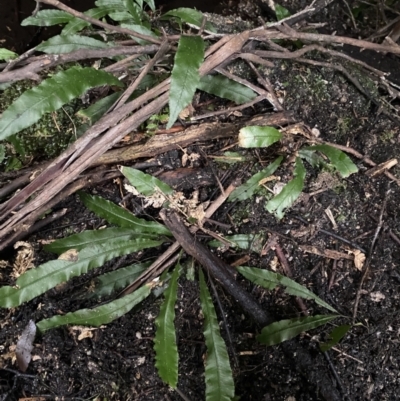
x=24 y=258
x=359 y=259
x=25 y=346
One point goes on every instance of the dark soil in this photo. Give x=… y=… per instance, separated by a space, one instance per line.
x=117 y=361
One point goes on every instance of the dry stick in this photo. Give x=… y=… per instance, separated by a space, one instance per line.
x=316 y=373
x=368 y=262
x=51 y=60
x=156 y=267
x=97 y=22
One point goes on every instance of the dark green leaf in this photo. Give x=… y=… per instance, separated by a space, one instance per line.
x=258 y=136
x=47 y=97
x=312 y=157
x=46 y=276
x=66 y=44
x=145 y=184
x=226 y=88
x=251 y=186
x=94 y=112
x=140 y=29
x=2 y=153
x=165 y=338
x=185 y=74
x=284 y=330
x=97 y=316
x=190 y=16
x=121 y=217
x=339 y=159
x=117 y=5
x=218 y=372
x=116 y=280
x=335 y=336
x=281 y=12
x=48 y=18
x=7 y=54
x=290 y=192
x=86 y=238
x=271 y=280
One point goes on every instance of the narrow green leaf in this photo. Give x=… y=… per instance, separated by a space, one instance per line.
x=230 y=158
x=121 y=16
x=281 y=12
x=339 y=159
x=134 y=10
x=94 y=112
x=271 y=280
x=48 y=18
x=47 y=97
x=46 y=276
x=146 y=184
x=2 y=153
x=218 y=372
x=89 y=237
x=226 y=88
x=66 y=44
x=284 y=330
x=117 y=5
x=290 y=192
x=334 y=337
x=77 y=24
x=190 y=16
x=109 y=283
x=258 y=136
x=165 y=338
x=97 y=316
x=185 y=74
x=150 y=3
x=248 y=242
x=7 y=54
x=121 y=217
x=251 y=186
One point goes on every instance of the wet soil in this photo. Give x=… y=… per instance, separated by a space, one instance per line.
x=116 y=362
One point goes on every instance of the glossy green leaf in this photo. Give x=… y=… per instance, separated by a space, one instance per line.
x=338 y=159
x=251 y=186
x=284 y=330
x=46 y=276
x=97 y=316
x=258 y=136
x=185 y=76
x=109 y=283
x=218 y=372
x=121 y=16
x=281 y=12
x=165 y=338
x=77 y=24
x=66 y=44
x=47 y=97
x=226 y=88
x=190 y=16
x=334 y=337
x=146 y=184
x=94 y=112
x=7 y=54
x=248 y=242
x=271 y=280
x=48 y=18
x=290 y=192
x=119 y=216
x=89 y=237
